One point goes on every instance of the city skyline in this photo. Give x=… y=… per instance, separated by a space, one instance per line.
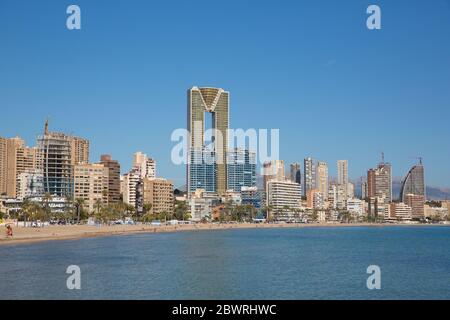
x=378 y=81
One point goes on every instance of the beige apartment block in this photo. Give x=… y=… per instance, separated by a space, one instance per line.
x=322 y=179
x=91 y=184
x=15 y=159
x=79 y=150
x=159 y=193
x=3 y=170
x=114 y=178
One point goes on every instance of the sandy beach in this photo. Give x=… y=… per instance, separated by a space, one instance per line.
x=71 y=232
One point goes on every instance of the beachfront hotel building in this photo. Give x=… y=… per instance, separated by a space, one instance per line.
x=91 y=184
x=241 y=169
x=283 y=194
x=214 y=101
x=113 y=166
x=400 y=212
x=159 y=193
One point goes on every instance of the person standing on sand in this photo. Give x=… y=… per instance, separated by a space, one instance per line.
x=9 y=231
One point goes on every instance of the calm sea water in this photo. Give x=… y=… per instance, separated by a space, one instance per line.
x=305 y=263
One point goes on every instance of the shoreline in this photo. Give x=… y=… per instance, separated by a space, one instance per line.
x=30 y=235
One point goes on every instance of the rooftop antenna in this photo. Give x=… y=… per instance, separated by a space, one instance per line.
x=419 y=158
x=382 y=157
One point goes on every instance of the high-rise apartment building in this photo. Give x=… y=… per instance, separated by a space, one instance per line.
x=113 y=178
x=309 y=175
x=159 y=193
x=273 y=170
x=3 y=165
x=322 y=179
x=342 y=168
x=131 y=181
x=379 y=182
x=146 y=165
x=364 y=191
x=80 y=150
x=15 y=159
x=296 y=173
x=241 y=169
x=214 y=101
x=91 y=184
x=350 y=190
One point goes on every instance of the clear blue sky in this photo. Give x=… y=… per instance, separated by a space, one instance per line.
x=310 y=68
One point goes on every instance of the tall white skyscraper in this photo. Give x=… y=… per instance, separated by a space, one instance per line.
x=342 y=166
x=322 y=179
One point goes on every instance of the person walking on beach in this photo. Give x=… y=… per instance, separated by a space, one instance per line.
x=9 y=231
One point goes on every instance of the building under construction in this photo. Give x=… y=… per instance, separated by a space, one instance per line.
x=56 y=160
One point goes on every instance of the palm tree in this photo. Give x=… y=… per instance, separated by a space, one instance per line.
x=147 y=214
x=36 y=212
x=69 y=211
x=181 y=210
x=79 y=203
x=46 y=199
x=98 y=205
x=25 y=209
x=268 y=210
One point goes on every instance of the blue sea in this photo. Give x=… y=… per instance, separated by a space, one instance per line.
x=297 y=263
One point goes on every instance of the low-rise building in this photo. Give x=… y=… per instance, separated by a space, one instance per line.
x=400 y=212
x=355 y=206
x=201 y=204
x=436 y=212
